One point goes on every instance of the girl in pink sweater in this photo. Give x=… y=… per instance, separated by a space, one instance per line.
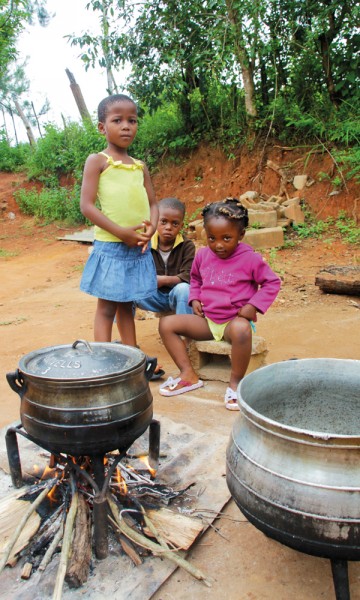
x=229 y=284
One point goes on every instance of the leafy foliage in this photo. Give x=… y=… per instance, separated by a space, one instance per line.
x=61 y=204
x=63 y=152
x=12 y=158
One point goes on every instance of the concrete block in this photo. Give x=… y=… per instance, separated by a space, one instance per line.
x=212 y=362
x=264 y=238
x=250 y=196
x=294 y=213
x=264 y=218
x=291 y=202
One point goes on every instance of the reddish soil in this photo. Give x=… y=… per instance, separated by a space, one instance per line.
x=41 y=305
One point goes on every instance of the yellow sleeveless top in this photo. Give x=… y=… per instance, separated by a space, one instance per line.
x=122 y=196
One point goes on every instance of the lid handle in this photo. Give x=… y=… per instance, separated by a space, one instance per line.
x=82 y=342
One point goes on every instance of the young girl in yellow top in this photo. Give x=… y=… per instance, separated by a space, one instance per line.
x=120 y=269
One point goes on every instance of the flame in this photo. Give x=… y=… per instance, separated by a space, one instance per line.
x=123 y=488
x=145 y=461
x=51 y=494
x=47 y=472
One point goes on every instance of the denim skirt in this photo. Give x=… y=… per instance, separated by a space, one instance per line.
x=116 y=272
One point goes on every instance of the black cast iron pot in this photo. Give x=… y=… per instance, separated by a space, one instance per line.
x=83 y=399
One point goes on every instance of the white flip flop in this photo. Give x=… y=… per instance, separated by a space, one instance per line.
x=230 y=397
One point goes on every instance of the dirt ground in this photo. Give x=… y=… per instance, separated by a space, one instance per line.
x=41 y=305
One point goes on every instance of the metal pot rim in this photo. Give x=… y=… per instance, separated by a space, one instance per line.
x=81 y=362
x=290 y=431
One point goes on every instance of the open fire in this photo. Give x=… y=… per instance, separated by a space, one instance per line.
x=84 y=500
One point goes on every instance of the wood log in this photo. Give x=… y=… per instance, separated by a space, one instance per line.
x=339 y=280
x=129 y=549
x=6 y=551
x=26 y=570
x=65 y=550
x=78 y=567
x=52 y=548
x=178 y=529
x=157 y=549
x=12 y=510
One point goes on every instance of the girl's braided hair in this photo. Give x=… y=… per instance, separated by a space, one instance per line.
x=230 y=208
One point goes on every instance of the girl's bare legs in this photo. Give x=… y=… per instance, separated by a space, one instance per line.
x=104 y=318
x=238 y=334
x=126 y=323
x=171 y=328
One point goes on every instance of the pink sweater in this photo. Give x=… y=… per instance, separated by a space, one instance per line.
x=223 y=286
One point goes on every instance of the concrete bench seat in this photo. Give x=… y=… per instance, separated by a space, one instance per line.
x=211 y=359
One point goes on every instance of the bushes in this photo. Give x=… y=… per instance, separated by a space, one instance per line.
x=13 y=158
x=63 y=152
x=51 y=204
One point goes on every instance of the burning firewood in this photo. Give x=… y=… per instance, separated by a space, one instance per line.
x=30 y=510
x=79 y=563
x=160 y=549
x=65 y=550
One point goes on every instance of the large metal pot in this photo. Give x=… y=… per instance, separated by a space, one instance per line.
x=293 y=459
x=83 y=399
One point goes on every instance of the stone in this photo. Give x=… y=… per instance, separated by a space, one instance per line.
x=294 y=213
x=263 y=218
x=271 y=237
x=212 y=362
x=291 y=202
x=250 y=196
x=299 y=181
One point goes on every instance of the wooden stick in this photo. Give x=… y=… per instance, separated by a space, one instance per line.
x=33 y=506
x=51 y=549
x=26 y=570
x=129 y=550
x=140 y=539
x=65 y=550
x=78 y=567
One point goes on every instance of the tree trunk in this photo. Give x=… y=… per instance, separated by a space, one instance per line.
x=79 y=99
x=324 y=42
x=5 y=127
x=243 y=59
x=111 y=84
x=27 y=125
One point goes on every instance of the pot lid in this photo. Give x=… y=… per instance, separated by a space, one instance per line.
x=81 y=360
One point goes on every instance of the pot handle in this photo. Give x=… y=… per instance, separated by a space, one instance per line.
x=82 y=342
x=16 y=381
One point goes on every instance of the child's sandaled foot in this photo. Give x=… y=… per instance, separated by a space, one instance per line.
x=150 y=367
x=158 y=373
x=230 y=399
x=174 y=387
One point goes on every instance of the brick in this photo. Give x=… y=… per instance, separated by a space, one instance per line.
x=264 y=218
x=294 y=213
x=271 y=237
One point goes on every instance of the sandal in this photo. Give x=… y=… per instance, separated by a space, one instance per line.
x=174 y=387
x=230 y=400
x=151 y=364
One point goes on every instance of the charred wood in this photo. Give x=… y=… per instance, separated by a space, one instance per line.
x=79 y=563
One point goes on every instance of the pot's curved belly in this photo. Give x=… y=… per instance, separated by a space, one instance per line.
x=298 y=487
x=87 y=419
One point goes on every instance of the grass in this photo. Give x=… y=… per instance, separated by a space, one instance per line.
x=342 y=225
x=16 y=321
x=7 y=253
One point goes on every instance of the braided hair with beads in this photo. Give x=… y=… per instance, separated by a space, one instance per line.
x=229 y=208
